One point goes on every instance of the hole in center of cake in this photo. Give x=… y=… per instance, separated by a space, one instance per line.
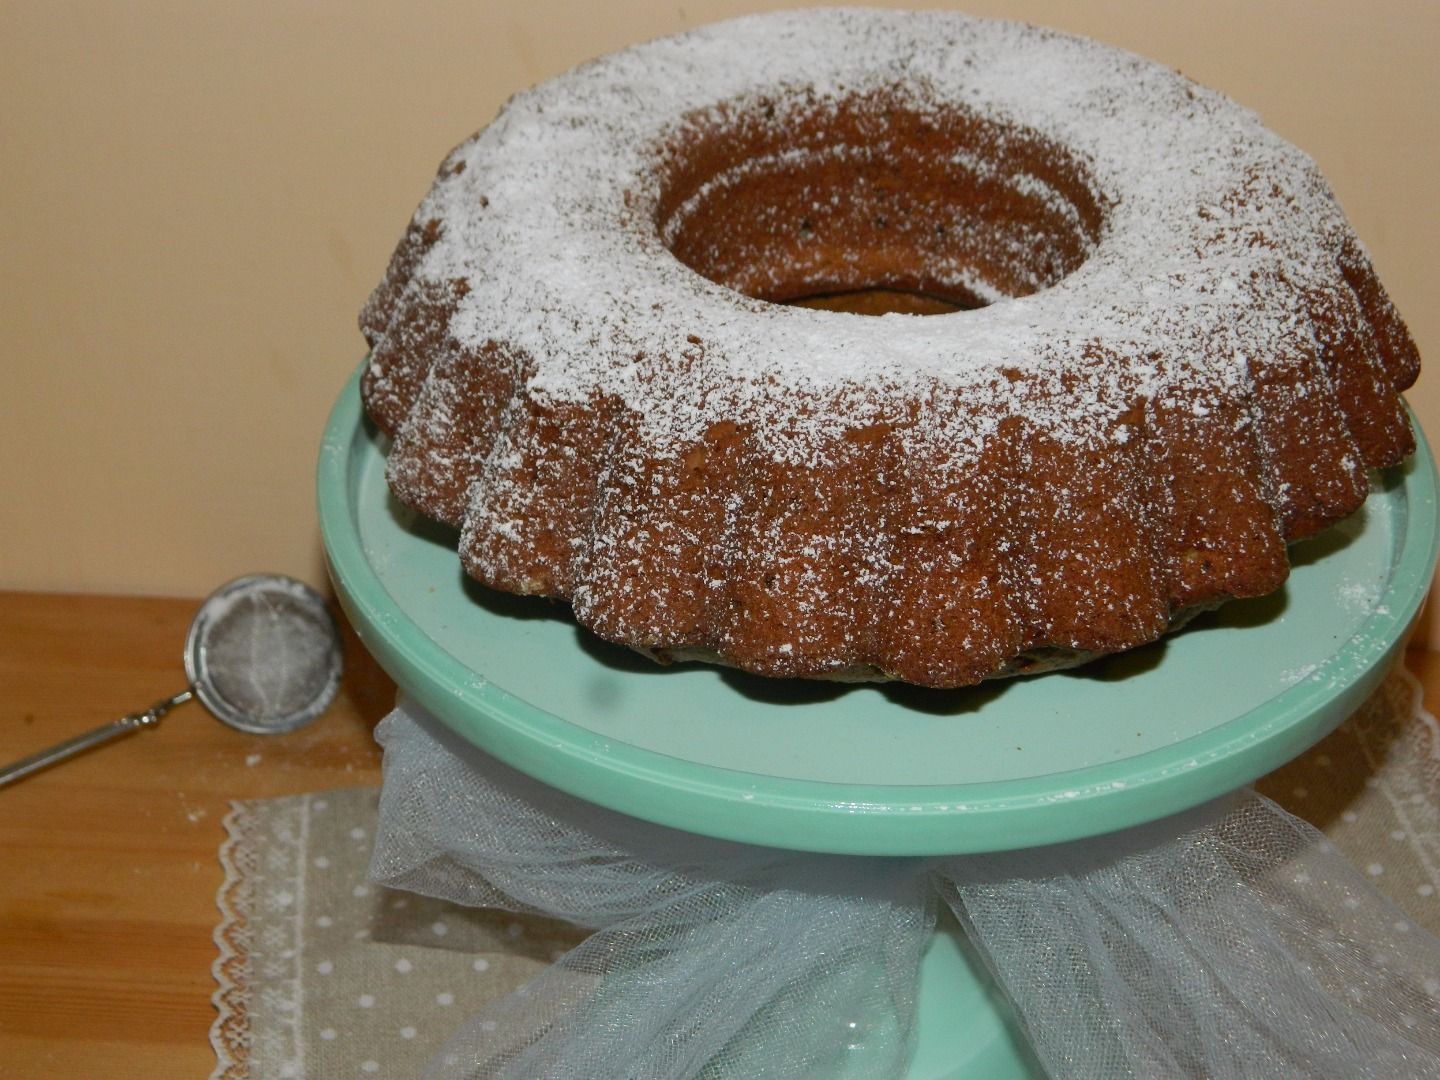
x=873 y=203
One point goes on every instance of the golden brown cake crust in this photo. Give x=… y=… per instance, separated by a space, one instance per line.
x=1163 y=354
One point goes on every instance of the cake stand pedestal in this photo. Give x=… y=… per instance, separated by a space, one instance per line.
x=873 y=769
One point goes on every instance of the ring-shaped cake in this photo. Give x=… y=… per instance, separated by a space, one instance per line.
x=1162 y=352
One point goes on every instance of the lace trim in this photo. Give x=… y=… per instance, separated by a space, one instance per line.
x=230 y=1031
x=259 y=1029
x=260 y=941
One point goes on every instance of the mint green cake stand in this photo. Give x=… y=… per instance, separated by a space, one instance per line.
x=872 y=769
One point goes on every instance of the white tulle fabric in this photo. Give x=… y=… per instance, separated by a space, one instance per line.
x=1228 y=942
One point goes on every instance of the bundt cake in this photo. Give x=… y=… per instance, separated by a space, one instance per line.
x=1162 y=353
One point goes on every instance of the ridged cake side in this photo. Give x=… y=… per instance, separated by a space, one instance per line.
x=1186 y=360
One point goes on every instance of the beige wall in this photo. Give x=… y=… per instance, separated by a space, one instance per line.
x=197 y=196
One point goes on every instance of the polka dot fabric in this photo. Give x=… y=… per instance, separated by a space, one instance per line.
x=325 y=974
x=1373 y=788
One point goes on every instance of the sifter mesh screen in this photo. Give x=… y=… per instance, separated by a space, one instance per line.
x=268 y=656
x=264 y=654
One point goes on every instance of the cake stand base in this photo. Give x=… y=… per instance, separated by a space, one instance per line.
x=966 y=1028
x=877 y=770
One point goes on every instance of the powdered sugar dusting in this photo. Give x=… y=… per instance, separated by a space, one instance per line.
x=558 y=269
x=1164 y=274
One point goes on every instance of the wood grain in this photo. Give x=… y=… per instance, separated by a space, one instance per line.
x=108 y=865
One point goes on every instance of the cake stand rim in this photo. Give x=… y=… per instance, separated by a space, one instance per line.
x=811 y=815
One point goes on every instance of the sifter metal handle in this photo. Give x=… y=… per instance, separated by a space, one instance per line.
x=95 y=737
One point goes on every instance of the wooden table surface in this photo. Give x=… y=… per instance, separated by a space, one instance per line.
x=108 y=863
